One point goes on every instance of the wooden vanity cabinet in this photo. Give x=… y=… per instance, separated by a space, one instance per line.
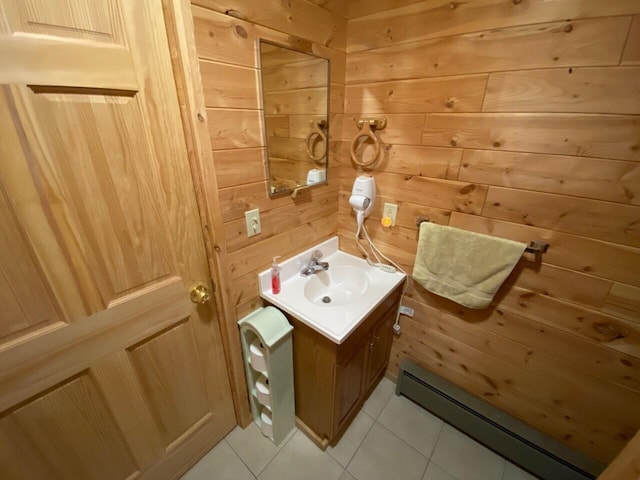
x=332 y=381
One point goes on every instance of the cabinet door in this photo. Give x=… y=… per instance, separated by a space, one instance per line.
x=379 y=345
x=349 y=377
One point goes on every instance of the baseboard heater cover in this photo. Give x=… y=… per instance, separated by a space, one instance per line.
x=532 y=450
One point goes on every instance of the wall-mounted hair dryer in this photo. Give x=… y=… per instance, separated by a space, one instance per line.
x=362 y=197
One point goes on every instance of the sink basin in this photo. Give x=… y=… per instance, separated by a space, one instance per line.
x=338 y=286
x=332 y=302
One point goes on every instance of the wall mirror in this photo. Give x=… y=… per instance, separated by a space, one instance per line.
x=295 y=104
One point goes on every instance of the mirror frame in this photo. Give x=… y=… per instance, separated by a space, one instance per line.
x=260 y=41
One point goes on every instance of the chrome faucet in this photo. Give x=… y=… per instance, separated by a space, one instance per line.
x=314 y=265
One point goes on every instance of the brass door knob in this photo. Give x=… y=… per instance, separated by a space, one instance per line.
x=200 y=294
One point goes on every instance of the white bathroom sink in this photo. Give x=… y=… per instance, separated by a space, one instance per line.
x=332 y=302
x=340 y=285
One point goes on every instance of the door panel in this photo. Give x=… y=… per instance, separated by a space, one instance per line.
x=20 y=282
x=172 y=383
x=106 y=369
x=44 y=421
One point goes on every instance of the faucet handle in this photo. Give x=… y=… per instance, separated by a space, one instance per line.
x=316 y=255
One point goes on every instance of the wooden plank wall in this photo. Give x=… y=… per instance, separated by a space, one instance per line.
x=226 y=40
x=520 y=120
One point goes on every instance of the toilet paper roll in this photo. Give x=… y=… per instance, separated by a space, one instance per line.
x=266 y=424
x=258 y=359
x=262 y=391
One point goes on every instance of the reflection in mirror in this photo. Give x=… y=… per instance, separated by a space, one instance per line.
x=295 y=104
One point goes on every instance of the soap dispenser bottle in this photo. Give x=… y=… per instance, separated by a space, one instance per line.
x=275 y=276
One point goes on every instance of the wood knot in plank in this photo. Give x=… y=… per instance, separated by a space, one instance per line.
x=200 y=117
x=467 y=189
x=241 y=31
x=234 y=13
x=608 y=330
x=490 y=382
x=568 y=28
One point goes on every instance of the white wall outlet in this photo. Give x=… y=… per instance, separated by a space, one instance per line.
x=408 y=311
x=390 y=210
x=252 y=218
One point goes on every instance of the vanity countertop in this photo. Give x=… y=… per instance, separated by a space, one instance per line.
x=352 y=286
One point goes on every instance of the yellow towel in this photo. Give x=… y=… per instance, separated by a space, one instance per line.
x=465 y=267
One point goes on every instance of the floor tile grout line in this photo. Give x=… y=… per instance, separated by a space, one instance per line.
x=280 y=449
x=443 y=423
x=239 y=457
x=504 y=460
x=361 y=441
x=435 y=445
x=385 y=404
x=403 y=441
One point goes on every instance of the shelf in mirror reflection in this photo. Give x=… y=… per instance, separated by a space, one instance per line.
x=295 y=106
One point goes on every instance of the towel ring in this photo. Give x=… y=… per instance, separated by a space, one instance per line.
x=367 y=128
x=314 y=137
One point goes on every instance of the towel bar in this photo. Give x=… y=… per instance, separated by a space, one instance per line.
x=536 y=247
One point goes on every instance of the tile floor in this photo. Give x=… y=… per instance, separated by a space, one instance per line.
x=391 y=439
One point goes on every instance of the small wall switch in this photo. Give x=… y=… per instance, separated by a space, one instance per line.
x=252 y=218
x=390 y=211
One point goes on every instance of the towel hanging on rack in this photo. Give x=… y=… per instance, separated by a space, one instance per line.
x=463 y=266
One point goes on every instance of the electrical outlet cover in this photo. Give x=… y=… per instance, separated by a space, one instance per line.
x=252 y=219
x=390 y=211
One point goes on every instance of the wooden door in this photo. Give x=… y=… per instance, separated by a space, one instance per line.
x=107 y=370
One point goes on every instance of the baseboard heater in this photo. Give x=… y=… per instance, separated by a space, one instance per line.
x=532 y=450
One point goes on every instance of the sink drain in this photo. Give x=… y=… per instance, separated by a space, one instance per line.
x=326 y=299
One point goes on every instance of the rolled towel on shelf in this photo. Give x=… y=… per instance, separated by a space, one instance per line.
x=463 y=266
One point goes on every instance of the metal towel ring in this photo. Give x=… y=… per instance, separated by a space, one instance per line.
x=367 y=128
x=316 y=135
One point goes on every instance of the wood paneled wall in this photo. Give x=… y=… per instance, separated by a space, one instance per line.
x=519 y=120
x=226 y=36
